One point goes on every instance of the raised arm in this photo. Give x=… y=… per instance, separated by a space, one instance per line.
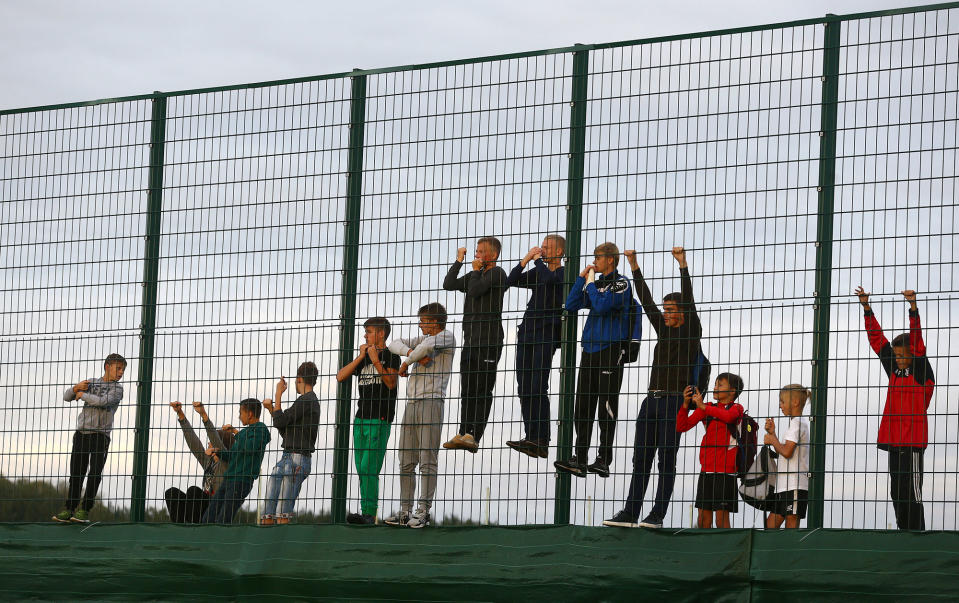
x=915 y=328
x=451 y=282
x=684 y=420
x=524 y=280
x=650 y=309
x=211 y=431
x=686 y=291
x=577 y=299
x=877 y=340
x=347 y=371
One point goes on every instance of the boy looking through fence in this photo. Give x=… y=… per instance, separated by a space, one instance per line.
x=678 y=332
x=431 y=358
x=101 y=398
x=376 y=369
x=904 y=429
x=299 y=426
x=792 y=476
x=538 y=338
x=482 y=338
x=608 y=297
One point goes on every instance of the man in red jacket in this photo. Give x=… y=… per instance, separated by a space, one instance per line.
x=904 y=429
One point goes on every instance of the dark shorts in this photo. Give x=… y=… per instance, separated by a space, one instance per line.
x=790 y=502
x=717 y=492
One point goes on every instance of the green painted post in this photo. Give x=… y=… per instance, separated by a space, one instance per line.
x=574 y=223
x=823 y=286
x=351 y=246
x=148 y=309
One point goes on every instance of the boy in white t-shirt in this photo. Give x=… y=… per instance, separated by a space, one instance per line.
x=792 y=480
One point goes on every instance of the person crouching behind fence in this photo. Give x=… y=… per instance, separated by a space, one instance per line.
x=243 y=460
x=376 y=369
x=904 y=429
x=716 y=491
x=431 y=358
x=298 y=426
x=792 y=477
x=101 y=398
x=608 y=297
x=188 y=507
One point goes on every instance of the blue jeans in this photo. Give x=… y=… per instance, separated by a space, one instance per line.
x=655 y=434
x=227 y=501
x=285 y=482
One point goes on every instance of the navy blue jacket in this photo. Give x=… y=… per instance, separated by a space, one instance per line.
x=543 y=319
x=608 y=301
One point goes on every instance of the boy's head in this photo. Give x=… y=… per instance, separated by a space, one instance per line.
x=113 y=367
x=488 y=250
x=554 y=247
x=432 y=318
x=249 y=411
x=792 y=399
x=376 y=330
x=728 y=387
x=674 y=314
x=902 y=348
x=606 y=257
x=306 y=375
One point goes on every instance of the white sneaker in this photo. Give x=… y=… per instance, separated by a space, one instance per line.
x=400 y=518
x=420 y=519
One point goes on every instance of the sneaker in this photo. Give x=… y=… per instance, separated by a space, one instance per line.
x=572 y=466
x=283 y=519
x=400 y=518
x=455 y=443
x=529 y=448
x=267 y=520
x=360 y=519
x=63 y=516
x=600 y=468
x=623 y=519
x=469 y=443
x=420 y=519
x=651 y=521
x=81 y=516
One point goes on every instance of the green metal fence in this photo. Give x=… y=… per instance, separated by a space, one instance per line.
x=219 y=237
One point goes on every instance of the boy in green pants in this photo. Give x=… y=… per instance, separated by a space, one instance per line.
x=376 y=369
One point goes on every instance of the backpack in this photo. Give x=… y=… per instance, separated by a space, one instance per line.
x=699 y=376
x=746 y=443
x=759 y=483
x=635 y=329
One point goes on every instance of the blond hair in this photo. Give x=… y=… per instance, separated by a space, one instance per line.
x=801 y=392
x=608 y=249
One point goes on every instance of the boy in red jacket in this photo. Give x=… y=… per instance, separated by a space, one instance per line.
x=904 y=430
x=716 y=491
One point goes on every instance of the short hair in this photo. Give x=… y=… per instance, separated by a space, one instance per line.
x=735 y=381
x=492 y=242
x=378 y=322
x=800 y=391
x=675 y=297
x=559 y=239
x=308 y=373
x=435 y=311
x=115 y=359
x=251 y=405
x=902 y=341
x=226 y=437
x=608 y=249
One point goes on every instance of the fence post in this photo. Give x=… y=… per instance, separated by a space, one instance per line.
x=351 y=244
x=574 y=222
x=148 y=309
x=823 y=286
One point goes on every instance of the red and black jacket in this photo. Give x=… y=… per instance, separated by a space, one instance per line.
x=904 y=421
x=717 y=453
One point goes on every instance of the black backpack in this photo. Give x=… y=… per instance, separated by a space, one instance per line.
x=746 y=434
x=699 y=376
x=759 y=484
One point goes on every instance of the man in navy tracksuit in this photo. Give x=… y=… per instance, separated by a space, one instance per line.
x=538 y=338
x=606 y=335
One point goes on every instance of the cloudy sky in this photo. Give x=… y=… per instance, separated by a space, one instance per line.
x=57 y=52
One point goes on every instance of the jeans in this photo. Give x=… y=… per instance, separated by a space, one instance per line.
x=655 y=434
x=227 y=501
x=285 y=482
x=533 y=364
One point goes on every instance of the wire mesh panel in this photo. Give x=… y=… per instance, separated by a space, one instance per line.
x=895 y=220
x=72 y=199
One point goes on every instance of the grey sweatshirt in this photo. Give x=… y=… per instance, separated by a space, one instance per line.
x=427 y=382
x=100 y=403
x=212 y=470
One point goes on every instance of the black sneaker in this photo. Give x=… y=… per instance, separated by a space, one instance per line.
x=600 y=468
x=572 y=466
x=651 y=521
x=529 y=448
x=623 y=519
x=361 y=519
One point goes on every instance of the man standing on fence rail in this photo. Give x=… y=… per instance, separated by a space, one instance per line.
x=538 y=338
x=482 y=338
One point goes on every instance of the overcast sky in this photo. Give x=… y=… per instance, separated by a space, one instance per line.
x=56 y=51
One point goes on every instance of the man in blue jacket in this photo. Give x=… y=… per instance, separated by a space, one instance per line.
x=605 y=343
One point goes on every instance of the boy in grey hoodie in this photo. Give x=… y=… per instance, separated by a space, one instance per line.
x=101 y=398
x=431 y=356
